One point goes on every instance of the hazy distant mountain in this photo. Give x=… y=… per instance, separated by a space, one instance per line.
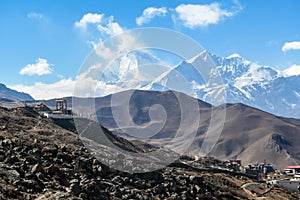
x=13 y=95
x=249 y=134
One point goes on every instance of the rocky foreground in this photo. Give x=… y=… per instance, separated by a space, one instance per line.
x=41 y=160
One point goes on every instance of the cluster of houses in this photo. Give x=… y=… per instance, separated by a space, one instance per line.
x=288 y=178
x=258 y=169
x=292 y=170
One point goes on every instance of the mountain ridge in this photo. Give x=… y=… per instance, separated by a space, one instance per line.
x=13 y=95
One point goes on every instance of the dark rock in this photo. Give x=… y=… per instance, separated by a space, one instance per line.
x=75 y=189
x=11 y=159
x=96 y=162
x=51 y=150
x=83 y=196
x=5 y=143
x=74 y=181
x=37 y=151
x=32 y=160
x=2 y=155
x=17 y=149
x=10 y=175
x=82 y=164
x=140 y=184
x=65 y=157
x=17 y=182
x=30 y=184
x=51 y=169
x=2 y=197
x=117 y=180
x=41 y=176
x=37 y=168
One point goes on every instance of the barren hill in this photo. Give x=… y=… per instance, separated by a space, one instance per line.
x=252 y=135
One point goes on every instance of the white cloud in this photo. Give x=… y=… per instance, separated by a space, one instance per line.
x=62 y=88
x=111 y=28
x=149 y=14
x=41 y=67
x=294 y=70
x=106 y=25
x=89 y=18
x=291 y=46
x=196 y=15
x=85 y=87
x=34 y=15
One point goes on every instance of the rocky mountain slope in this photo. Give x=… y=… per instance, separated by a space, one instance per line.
x=249 y=134
x=41 y=160
x=7 y=94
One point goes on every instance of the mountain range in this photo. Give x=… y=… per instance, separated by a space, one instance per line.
x=243 y=81
x=263 y=87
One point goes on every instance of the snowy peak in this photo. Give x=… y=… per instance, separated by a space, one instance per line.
x=201 y=57
x=256 y=74
x=234 y=55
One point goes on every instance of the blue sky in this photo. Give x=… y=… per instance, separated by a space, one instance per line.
x=43 y=43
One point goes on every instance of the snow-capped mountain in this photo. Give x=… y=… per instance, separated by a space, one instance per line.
x=263 y=87
x=245 y=82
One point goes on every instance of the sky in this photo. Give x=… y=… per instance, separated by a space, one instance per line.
x=44 y=43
